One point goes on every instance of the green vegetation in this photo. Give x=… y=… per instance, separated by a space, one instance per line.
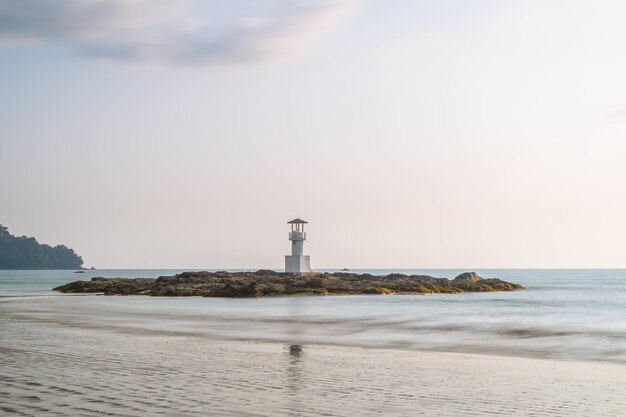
x=26 y=253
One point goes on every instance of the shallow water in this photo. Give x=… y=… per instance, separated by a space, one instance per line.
x=565 y=314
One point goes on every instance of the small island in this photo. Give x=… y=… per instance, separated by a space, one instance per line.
x=271 y=283
x=23 y=252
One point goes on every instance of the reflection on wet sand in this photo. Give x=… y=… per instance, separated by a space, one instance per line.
x=295 y=350
x=295 y=378
x=294 y=359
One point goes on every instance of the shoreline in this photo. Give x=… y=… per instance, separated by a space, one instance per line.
x=52 y=368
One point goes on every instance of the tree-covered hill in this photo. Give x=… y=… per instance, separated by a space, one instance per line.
x=26 y=253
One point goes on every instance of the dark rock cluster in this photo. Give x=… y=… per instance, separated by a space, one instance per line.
x=267 y=283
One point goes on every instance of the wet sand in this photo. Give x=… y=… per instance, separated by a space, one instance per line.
x=50 y=366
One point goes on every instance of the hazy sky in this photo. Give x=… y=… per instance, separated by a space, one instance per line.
x=408 y=133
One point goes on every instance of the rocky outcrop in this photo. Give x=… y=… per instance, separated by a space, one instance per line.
x=268 y=283
x=124 y=286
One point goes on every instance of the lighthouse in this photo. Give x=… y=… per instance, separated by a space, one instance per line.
x=297 y=263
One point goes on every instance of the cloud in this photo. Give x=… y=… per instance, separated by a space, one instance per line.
x=78 y=20
x=167 y=32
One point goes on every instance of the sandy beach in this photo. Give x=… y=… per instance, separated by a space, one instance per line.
x=54 y=364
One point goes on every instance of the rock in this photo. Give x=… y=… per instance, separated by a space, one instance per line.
x=269 y=283
x=266 y=272
x=377 y=291
x=468 y=277
x=108 y=286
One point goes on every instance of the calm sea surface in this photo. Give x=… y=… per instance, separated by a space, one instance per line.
x=565 y=314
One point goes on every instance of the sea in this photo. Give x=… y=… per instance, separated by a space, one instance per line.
x=568 y=314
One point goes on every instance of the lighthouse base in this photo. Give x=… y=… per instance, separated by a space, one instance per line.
x=298 y=264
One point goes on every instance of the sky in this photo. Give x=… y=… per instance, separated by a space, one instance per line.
x=410 y=134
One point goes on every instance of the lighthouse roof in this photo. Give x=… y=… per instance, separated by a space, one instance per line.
x=296 y=220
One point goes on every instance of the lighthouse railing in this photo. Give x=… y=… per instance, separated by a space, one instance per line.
x=297 y=235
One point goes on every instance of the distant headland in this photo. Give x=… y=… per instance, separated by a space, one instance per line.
x=270 y=283
x=23 y=252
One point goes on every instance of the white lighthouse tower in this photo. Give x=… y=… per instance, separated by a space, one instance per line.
x=297 y=263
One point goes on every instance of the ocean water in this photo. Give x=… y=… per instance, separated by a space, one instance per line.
x=563 y=313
